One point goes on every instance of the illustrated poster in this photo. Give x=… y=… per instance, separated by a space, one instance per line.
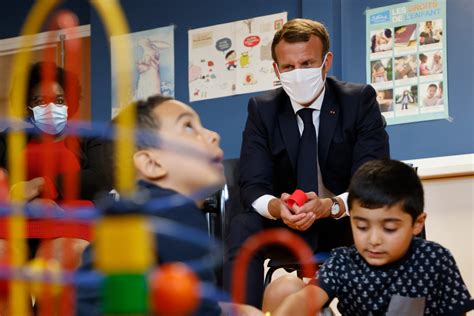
x=153 y=71
x=233 y=58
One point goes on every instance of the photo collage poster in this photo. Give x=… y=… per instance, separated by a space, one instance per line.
x=406 y=60
x=233 y=58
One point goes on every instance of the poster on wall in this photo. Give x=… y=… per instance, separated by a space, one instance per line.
x=153 y=69
x=232 y=58
x=406 y=60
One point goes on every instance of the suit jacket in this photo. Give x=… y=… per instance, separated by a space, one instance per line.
x=351 y=132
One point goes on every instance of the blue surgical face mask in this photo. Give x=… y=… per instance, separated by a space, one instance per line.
x=51 y=118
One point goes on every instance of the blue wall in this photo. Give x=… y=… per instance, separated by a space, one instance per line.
x=224 y=115
x=429 y=138
x=346 y=22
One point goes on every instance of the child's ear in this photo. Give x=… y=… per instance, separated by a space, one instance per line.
x=148 y=165
x=419 y=224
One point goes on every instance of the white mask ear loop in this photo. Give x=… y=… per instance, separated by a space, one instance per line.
x=322 y=66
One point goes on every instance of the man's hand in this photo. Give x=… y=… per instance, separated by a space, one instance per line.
x=279 y=209
x=321 y=208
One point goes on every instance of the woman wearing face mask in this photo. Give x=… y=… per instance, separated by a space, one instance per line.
x=48 y=110
x=311 y=134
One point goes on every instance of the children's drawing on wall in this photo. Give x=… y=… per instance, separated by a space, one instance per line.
x=148 y=68
x=244 y=59
x=232 y=58
x=153 y=55
x=406 y=60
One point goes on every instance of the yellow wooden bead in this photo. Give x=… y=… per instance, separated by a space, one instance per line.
x=124 y=243
x=39 y=269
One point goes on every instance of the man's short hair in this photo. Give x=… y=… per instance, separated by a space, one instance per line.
x=433 y=85
x=300 y=30
x=385 y=183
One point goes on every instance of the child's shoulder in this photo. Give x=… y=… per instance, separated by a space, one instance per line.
x=432 y=248
x=428 y=245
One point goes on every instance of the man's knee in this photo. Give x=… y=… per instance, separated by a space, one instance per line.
x=279 y=289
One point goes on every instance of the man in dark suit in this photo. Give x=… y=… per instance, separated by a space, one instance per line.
x=285 y=149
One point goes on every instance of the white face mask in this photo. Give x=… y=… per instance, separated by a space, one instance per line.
x=50 y=118
x=303 y=84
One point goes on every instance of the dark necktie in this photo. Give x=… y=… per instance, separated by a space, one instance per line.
x=307 y=173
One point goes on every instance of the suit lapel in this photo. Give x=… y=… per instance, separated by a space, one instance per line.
x=327 y=123
x=289 y=130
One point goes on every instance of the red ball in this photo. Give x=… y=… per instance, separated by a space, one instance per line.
x=174 y=290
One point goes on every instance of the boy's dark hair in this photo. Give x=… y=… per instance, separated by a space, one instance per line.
x=380 y=183
x=300 y=30
x=146 y=122
x=423 y=57
x=62 y=77
x=433 y=85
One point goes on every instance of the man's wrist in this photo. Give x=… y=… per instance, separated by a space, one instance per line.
x=274 y=207
x=337 y=208
x=261 y=204
x=326 y=206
